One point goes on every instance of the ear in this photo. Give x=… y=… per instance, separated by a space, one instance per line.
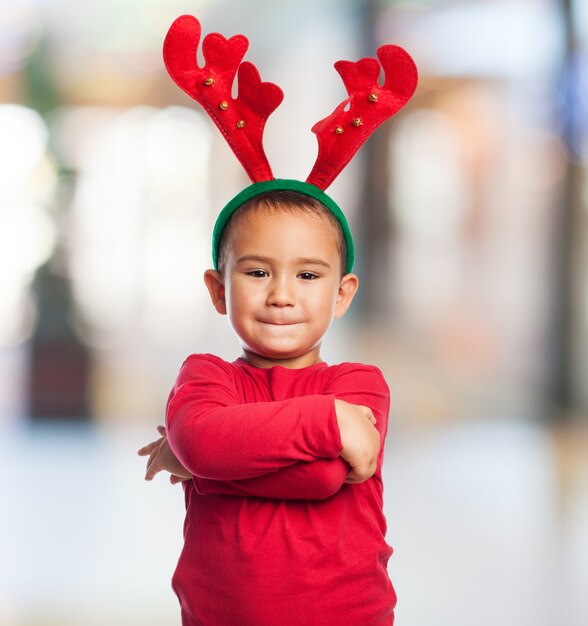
x=347 y=290
x=216 y=288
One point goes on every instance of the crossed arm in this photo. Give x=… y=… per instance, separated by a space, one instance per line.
x=302 y=466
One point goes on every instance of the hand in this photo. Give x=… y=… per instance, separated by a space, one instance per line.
x=360 y=439
x=161 y=458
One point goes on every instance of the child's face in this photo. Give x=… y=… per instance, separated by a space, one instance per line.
x=281 y=286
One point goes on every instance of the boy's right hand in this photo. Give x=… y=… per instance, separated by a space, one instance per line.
x=360 y=439
x=161 y=458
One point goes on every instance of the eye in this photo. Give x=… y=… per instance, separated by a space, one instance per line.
x=307 y=276
x=257 y=273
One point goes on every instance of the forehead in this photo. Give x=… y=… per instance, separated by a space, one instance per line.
x=285 y=227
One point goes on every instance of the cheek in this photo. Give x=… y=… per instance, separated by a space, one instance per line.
x=241 y=298
x=324 y=304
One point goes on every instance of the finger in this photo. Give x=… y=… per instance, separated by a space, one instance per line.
x=161 y=430
x=153 y=466
x=153 y=456
x=353 y=478
x=145 y=450
x=152 y=471
x=148 y=470
x=371 y=417
x=367 y=412
x=360 y=475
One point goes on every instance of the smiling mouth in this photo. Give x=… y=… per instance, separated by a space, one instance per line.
x=279 y=323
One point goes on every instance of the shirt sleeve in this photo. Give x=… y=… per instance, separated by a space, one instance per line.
x=319 y=479
x=216 y=437
x=314 y=480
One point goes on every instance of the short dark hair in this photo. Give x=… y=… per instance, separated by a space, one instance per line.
x=281 y=200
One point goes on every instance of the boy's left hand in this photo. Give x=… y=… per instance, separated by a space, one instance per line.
x=161 y=458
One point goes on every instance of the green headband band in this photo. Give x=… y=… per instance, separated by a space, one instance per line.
x=280 y=184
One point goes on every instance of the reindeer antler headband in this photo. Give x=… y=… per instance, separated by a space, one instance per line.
x=241 y=120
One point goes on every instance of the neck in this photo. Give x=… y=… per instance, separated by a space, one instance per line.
x=297 y=362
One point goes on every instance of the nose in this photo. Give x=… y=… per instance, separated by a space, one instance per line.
x=281 y=292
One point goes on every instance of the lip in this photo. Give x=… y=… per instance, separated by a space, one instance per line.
x=277 y=323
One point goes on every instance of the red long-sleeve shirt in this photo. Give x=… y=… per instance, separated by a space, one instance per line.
x=273 y=536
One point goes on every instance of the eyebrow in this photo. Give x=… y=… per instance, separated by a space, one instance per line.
x=299 y=261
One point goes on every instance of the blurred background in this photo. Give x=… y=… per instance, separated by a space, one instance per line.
x=470 y=215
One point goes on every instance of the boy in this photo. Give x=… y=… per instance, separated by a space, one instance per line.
x=280 y=454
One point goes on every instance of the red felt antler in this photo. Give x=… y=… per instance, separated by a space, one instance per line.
x=241 y=120
x=341 y=134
